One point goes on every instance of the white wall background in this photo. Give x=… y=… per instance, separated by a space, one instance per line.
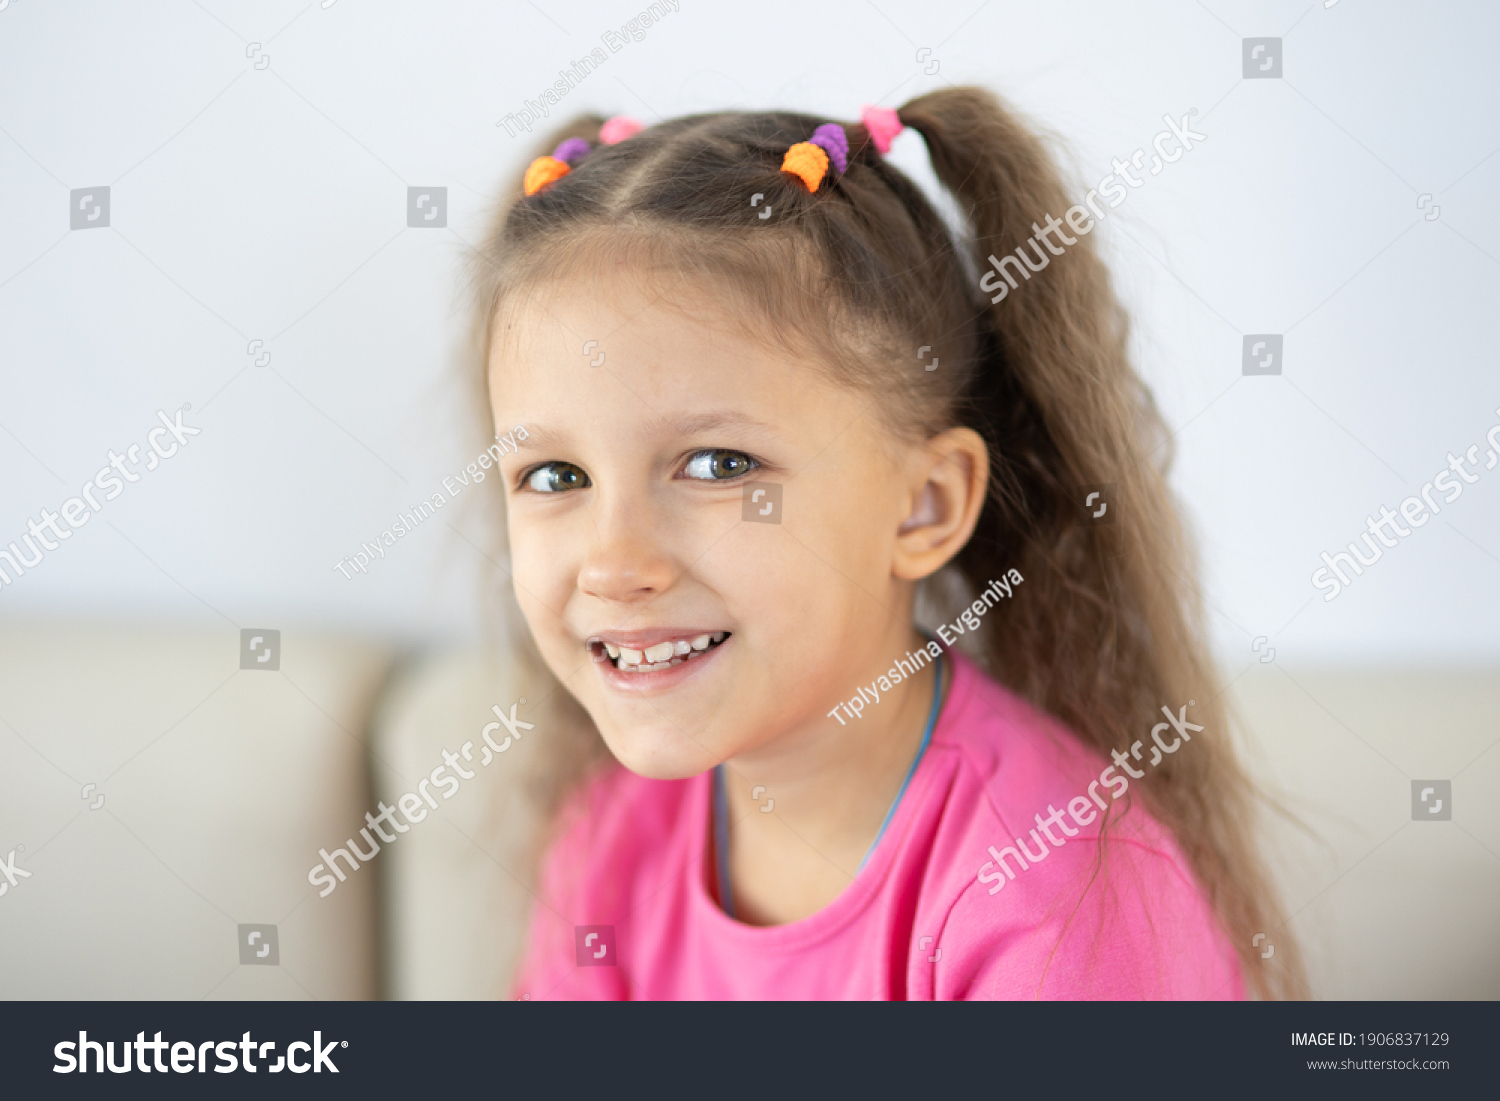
x=270 y=203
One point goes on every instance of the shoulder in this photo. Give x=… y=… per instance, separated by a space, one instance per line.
x=1121 y=921
x=1012 y=760
x=1007 y=742
x=1062 y=884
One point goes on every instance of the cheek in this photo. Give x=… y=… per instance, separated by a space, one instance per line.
x=540 y=609
x=541 y=571
x=849 y=525
x=792 y=590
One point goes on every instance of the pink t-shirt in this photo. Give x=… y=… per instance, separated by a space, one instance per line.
x=625 y=910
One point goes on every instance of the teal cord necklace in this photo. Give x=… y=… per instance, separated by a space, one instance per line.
x=721 y=800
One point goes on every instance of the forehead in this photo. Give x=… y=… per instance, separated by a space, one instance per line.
x=622 y=306
x=766 y=288
x=625 y=340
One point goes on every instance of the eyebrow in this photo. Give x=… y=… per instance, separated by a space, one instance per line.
x=707 y=422
x=540 y=439
x=546 y=439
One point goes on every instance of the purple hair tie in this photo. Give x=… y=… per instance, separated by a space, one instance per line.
x=830 y=137
x=571 y=151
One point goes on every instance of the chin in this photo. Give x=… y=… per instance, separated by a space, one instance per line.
x=657 y=751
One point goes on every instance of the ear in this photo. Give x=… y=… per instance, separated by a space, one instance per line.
x=949 y=475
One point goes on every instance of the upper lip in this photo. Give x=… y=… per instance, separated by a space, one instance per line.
x=644 y=637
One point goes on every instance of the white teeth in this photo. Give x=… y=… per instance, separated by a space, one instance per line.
x=664 y=655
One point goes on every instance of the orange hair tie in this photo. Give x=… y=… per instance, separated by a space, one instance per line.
x=542 y=171
x=807 y=162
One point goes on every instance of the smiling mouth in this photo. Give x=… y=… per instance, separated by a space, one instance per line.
x=654 y=659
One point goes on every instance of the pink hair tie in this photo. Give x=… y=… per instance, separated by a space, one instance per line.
x=618 y=129
x=883 y=125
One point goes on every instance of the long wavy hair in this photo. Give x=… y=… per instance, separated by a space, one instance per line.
x=865 y=271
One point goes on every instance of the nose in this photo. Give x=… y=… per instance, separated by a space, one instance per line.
x=627 y=562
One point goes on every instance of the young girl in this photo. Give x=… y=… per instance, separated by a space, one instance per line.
x=769 y=404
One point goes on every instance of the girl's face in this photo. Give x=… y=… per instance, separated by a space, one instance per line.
x=702 y=530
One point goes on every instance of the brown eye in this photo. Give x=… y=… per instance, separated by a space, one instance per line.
x=717 y=465
x=556 y=478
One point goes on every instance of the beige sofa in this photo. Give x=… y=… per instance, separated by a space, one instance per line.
x=217 y=785
x=222 y=785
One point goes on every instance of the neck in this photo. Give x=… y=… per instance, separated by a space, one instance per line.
x=832 y=785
